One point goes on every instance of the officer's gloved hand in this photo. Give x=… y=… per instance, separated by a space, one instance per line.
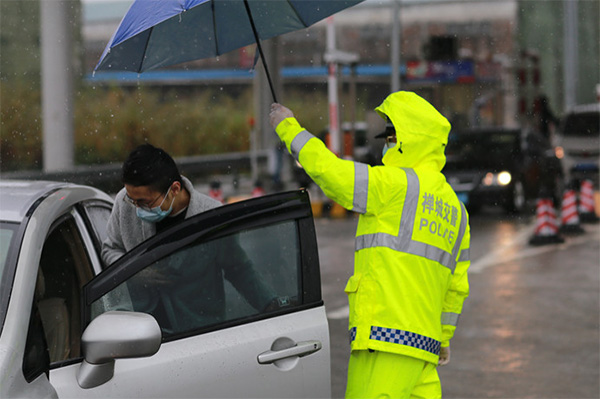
x=278 y=114
x=444 y=356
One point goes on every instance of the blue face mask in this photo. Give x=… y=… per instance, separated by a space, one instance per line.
x=155 y=214
x=386 y=147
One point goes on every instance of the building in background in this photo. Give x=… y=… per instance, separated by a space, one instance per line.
x=471 y=58
x=480 y=62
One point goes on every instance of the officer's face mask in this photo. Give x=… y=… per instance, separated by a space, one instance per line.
x=156 y=214
x=386 y=147
x=390 y=142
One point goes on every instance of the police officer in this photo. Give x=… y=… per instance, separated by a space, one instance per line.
x=411 y=250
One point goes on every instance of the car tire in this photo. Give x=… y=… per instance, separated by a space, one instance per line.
x=517 y=200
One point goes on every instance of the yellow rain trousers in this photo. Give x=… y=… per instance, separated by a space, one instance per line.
x=412 y=239
x=388 y=375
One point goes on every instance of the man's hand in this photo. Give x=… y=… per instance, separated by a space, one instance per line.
x=444 y=356
x=278 y=114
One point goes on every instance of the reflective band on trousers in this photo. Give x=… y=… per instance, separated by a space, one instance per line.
x=403 y=241
x=401 y=337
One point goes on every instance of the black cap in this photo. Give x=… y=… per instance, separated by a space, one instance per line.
x=389 y=131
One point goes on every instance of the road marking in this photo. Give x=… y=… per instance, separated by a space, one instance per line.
x=507 y=252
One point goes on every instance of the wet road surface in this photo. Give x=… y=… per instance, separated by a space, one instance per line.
x=530 y=328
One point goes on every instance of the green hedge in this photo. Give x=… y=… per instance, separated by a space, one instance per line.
x=109 y=122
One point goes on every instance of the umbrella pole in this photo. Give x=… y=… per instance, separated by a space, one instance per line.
x=262 y=56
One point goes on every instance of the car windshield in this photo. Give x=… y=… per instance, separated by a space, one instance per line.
x=582 y=124
x=476 y=150
x=7 y=238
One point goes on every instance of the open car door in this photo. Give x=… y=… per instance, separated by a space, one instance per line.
x=236 y=293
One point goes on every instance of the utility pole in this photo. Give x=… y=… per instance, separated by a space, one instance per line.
x=57 y=85
x=332 y=92
x=395 y=43
x=570 y=52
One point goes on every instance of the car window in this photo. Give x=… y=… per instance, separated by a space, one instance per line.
x=582 y=124
x=98 y=214
x=63 y=271
x=9 y=240
x=481 y=149
x=7 y=231
x=209 y=283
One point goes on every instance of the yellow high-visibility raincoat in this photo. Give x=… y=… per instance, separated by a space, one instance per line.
x=412 y=238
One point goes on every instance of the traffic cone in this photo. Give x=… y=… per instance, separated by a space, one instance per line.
x=546 y=226
x=587 y=211
x=258 y=190
x=216 y=191
x=569 y=215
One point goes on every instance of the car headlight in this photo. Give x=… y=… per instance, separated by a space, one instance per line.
x=497 y=179
x=504 y=178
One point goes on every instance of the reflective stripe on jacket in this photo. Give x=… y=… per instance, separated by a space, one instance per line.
x=412 y=238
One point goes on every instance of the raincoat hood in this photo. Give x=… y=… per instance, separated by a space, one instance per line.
x=421 y=132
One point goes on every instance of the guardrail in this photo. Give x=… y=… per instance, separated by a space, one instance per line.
x=107 y=177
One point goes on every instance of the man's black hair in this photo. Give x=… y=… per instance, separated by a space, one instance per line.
x=150 y=166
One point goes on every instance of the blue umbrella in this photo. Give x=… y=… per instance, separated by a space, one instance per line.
x=159 y=33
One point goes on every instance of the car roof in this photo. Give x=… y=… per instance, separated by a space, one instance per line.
x=17 y=196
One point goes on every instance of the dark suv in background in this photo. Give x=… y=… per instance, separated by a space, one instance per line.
x=502 y=167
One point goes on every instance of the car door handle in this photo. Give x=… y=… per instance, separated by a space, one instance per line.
x=300 y=349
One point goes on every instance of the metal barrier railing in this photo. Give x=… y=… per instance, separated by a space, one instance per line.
x=107 y=176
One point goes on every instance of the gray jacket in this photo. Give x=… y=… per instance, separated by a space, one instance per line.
x=125 y=230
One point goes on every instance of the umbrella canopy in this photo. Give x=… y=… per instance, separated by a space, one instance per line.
x=158 y=33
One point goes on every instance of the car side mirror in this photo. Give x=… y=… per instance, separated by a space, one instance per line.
x=115 y=335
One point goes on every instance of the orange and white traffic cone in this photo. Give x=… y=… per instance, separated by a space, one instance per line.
x=216 y=191
x=587 y=209
x=569 y=214
x=546 y=226
x=258 y=190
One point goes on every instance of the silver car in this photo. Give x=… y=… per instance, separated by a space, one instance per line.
x=179 y=316
x=577 y=141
